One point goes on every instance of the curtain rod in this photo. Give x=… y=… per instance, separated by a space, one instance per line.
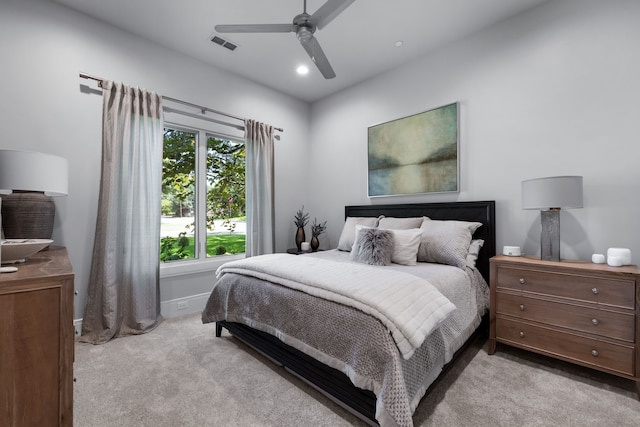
x=168 y=98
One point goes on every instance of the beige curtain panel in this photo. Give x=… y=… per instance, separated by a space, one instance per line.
x=260 y=188
x=124 y=291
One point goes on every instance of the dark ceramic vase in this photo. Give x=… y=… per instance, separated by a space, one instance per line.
x=300 y=237
x=314 y=243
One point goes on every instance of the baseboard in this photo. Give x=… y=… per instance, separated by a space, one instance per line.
x=181 y=306
x=168 y=309
x=77 y=326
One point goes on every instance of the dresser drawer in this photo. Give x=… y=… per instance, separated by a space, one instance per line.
x=598 y=354
x=608 y=291
x=605 y=323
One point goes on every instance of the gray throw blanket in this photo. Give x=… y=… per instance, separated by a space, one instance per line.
x=409 y=306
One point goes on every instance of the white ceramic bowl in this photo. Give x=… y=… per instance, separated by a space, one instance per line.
x=18 y=250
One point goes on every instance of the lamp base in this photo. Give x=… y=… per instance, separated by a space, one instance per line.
x=550 y=235
x=27 y=215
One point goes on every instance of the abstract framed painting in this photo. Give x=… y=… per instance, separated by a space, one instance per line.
x=415 y=154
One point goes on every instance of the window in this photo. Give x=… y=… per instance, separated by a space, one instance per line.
x=203 y=195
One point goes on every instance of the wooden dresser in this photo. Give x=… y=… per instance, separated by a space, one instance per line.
x=577 y=311
x=37 y=342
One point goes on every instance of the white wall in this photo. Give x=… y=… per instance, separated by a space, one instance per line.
x=553 y=91
x=44 y=106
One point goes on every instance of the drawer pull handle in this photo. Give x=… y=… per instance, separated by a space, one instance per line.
x=594 y=291
x=595 y=322
x=521 y=307
x=595 y=353
x=522 y=335
x=521 y=280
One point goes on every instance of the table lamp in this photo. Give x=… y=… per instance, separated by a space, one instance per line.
x=550 y=195
x=41 y=175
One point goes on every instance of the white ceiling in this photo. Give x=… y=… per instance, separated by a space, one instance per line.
x=359 y=43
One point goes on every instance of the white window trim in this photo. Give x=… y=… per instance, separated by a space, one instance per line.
x=194 y=266
x=198 y=265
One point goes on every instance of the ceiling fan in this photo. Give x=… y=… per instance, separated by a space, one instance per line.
x=304 y=25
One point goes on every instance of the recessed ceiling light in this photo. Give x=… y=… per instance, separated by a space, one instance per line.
x=398 y=43
x=302 y=70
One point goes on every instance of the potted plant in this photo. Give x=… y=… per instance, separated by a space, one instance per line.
x=300 y=220
x=316 y=230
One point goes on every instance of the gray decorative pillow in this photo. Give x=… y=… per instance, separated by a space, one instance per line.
x=446 y=242
x=392 y=223
x=349 y=230
x=372 y=246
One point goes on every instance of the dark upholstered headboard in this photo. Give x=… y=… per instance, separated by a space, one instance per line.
x=483 y=212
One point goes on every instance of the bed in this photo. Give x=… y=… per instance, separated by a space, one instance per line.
x=347 y=350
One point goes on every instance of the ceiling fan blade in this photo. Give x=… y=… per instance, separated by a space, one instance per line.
x=328 y=12
x=256 y=28
x=318 y=57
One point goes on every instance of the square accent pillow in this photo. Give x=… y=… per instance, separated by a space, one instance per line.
x=348 y=235
x=372 y=246
x=446 y=242
x=391 y=223
x=405 y=246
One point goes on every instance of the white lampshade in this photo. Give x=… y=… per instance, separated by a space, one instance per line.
x=552 y=192
x=31 y=171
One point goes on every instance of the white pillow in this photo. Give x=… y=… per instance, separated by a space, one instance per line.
x=405 y=246
x=348 y=235
x=391 y=223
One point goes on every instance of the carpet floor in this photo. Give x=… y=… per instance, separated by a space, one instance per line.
x=182 y=375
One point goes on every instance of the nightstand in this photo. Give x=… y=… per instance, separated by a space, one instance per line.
x=577 y=311
x=295 y=251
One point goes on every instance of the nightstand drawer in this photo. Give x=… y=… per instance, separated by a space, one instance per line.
x=598 y=354
x=605 y=323
x=600 y=290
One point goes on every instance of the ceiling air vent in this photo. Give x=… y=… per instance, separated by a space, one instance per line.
x=224 y=43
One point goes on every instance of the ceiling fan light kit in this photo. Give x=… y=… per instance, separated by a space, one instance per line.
x=304 y=25
x=304 y=34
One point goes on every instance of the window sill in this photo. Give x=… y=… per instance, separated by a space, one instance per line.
x=181 y=268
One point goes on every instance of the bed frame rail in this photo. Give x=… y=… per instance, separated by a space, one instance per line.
x=329 y=381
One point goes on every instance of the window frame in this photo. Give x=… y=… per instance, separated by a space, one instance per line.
x=200 y=262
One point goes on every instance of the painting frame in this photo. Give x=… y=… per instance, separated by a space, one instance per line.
x=415 y=154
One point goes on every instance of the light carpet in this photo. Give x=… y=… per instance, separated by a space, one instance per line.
x=180 y=374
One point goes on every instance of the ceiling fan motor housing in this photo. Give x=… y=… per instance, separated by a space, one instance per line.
x=305 y=29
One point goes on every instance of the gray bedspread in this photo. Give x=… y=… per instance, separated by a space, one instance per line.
x=351 y=341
